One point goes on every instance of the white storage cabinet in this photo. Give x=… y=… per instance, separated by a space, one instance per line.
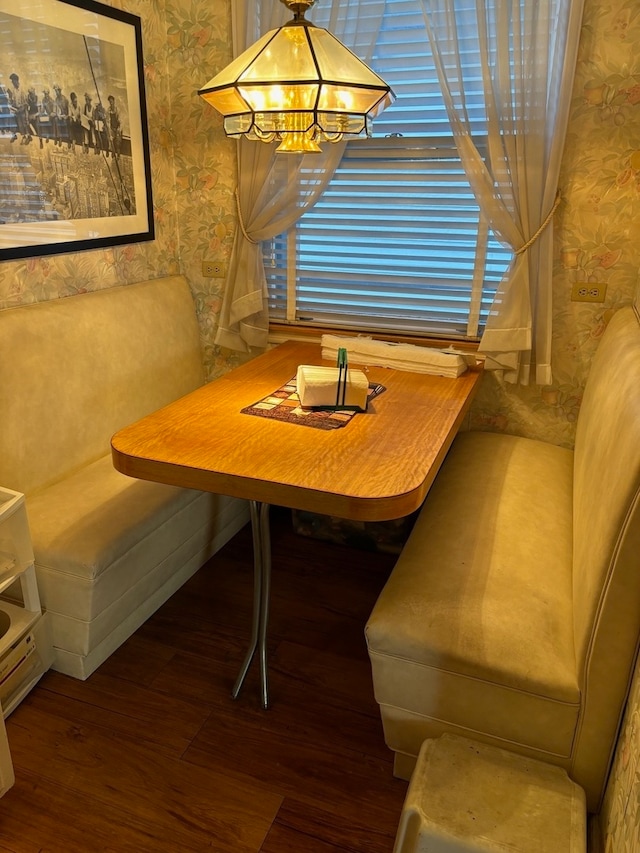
x=26 y=650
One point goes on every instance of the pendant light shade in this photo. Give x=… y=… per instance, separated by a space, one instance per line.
x=297 y=84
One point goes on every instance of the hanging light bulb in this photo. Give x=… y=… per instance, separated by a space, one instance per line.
x=299 y=85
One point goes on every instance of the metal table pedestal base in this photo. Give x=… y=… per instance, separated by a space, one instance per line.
x=261 y=593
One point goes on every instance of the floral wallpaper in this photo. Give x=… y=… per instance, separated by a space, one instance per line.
x=596 y=227
x=185 y=42
x=619 y=819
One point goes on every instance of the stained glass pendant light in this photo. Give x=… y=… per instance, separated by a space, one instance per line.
x=299 y=85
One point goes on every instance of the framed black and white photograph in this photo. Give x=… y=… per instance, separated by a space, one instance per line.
x=74 y=148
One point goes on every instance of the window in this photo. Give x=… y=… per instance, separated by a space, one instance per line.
x=396 y=243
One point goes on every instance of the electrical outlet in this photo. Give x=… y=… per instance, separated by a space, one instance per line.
x=587 y=291
x=213 y=269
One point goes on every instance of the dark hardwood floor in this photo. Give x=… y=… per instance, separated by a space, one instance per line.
x=152 y=754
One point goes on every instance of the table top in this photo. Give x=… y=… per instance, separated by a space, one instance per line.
x=378 y=467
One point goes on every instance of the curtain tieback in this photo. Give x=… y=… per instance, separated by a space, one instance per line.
x=548 y=219
x=241 y=220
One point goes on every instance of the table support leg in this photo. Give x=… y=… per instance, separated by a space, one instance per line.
x=265 y=595
x=261 y=594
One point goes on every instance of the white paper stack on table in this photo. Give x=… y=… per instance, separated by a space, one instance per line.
x=318 y=386
x=415 y=359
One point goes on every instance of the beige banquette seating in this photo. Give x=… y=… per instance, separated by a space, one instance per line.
x=108 y=549
x=512 y=616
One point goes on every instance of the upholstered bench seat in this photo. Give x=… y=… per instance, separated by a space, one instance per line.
x=109 y=545
x=109 y=550
x=512 y=615
x=508 y=669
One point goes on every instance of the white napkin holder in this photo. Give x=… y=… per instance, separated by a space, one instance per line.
x=321 y=388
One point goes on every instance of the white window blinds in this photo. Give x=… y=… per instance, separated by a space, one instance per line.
x=396 y=243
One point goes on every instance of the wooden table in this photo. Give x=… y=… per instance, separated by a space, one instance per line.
x=378 y=467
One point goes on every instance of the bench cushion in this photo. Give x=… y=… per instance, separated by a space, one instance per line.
x=494 y=622
x=74 y=371
x=606 y=559
x=475 y=623
x=104 y=543
x=108 y=549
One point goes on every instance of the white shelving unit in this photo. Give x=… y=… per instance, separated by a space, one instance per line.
x=26 y=650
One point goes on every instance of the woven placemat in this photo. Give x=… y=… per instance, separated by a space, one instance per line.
x=284 y=405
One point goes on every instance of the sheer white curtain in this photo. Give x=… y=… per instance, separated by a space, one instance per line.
x=274 y=190
x=527 y=52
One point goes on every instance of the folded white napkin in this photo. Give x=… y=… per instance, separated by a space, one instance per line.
x=318 y=386
x=366 y=351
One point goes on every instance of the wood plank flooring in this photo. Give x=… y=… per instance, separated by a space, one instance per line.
x=152 y=754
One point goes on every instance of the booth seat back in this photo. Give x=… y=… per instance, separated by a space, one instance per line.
x=606 y=531
x=74 y=371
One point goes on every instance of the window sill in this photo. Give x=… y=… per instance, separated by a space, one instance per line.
x=280 y=332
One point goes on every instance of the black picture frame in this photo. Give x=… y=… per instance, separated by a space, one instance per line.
x=75 y=172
